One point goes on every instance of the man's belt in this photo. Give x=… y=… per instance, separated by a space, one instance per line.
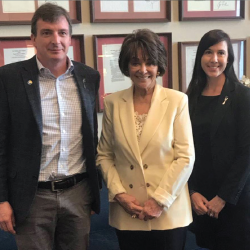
x=63 y=183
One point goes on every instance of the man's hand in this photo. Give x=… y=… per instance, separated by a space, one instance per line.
x=199 y=203
x=7 y=220
x=215 y=206
x=151 y=210
x=129 y=203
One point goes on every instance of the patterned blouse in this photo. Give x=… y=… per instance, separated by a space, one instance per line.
x=139 y=123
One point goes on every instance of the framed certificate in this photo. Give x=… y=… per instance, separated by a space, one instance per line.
x=187 y=54
x=203 y=10
x=15 y=49
x=106 y=51
x=21 y=12
x=112 y=11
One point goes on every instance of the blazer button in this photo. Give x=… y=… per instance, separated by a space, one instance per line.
x=145 y=166
x=131 y=167
x=130 y=185
x=148 y=185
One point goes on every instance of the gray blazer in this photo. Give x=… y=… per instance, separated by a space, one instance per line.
x=21 y=132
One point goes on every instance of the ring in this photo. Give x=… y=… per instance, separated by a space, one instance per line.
x=134 y=216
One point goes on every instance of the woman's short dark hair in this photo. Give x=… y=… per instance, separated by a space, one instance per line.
x=49 y=12
x=199 y=79
x=150 y=45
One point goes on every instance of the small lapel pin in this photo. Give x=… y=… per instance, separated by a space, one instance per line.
x=225 y=100
x=29 y=82
x=84 y=80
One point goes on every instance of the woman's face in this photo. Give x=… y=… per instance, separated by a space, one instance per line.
x=214 y=60
x=142 y=73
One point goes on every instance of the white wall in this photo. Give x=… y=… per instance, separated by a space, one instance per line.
x=181 y=31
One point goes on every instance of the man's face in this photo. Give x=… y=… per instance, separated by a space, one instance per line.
x=52 y=41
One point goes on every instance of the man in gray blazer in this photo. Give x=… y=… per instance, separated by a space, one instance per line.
x=48 y=137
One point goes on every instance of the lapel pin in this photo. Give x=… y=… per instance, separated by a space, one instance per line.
x=29 y=82
x=225 y=100
x=84 y=80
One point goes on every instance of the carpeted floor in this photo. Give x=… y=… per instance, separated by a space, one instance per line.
x=99 y=240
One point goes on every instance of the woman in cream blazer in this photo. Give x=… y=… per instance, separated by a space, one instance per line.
x=152 y=172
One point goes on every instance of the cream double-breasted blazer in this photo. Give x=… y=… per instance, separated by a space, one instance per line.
x=158 y=166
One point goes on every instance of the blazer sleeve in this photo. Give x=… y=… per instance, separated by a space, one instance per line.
x=105 y=158
x=192 y=183
x=4 y=124
x=176 y=176
x=95 y=114
x=239 y=172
